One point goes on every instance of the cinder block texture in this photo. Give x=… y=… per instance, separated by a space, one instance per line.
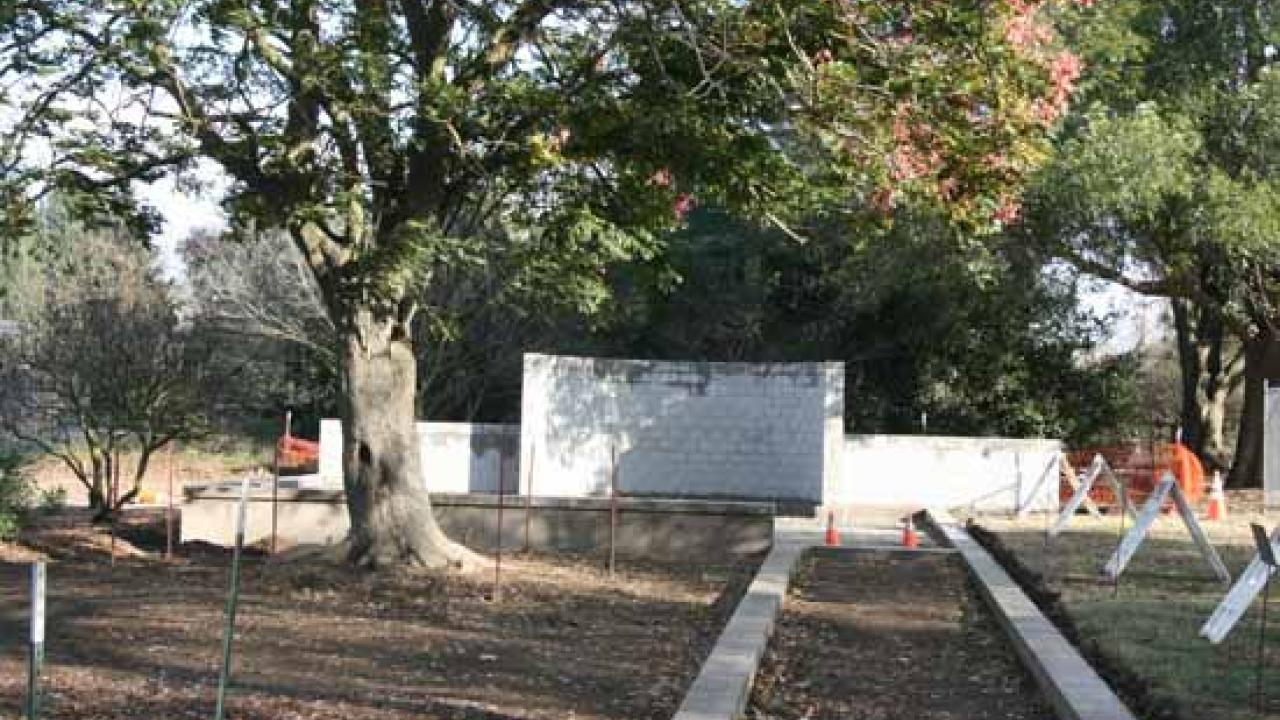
x=761 y=431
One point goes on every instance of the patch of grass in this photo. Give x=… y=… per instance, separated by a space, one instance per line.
x=1148 y=623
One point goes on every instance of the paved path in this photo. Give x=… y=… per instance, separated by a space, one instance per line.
x=723 y=686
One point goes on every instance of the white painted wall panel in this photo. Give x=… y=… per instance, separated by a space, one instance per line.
x=1271 y=445
x=925 y=471
x=456 y=457
x=679 y=428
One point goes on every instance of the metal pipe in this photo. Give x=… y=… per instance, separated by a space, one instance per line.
x=528 y=497
x=613 y=507
x=233 y=600
x=497 y=565
x=1262 y=640
x=35 y=656
x=168 y=513
x=275 y=481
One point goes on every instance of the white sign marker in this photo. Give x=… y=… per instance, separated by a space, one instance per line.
x=1240 y=597
x=37 y=602
x=1051 y=471
x=1097 y=469
x=1167 y=487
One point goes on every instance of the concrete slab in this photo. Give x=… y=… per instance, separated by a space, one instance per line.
x=723 y=685
x=879 y=528
x=1069 y=683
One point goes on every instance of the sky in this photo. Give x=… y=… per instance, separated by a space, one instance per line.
x=183 y=213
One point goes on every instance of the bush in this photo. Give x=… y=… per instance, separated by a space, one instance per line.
x=15 y=493
x=53 y=499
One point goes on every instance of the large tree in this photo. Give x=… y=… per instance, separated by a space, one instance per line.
x=1167 y=184
x=391 y=138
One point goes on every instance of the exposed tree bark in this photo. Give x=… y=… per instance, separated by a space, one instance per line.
x=391 y=519
x=1262 y=361
x=1208 y=376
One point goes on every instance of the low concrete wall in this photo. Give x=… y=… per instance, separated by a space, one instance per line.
x=993 y=474
x=456 y=457
x=1071 y=685
x=671 y=529
x=928 y=471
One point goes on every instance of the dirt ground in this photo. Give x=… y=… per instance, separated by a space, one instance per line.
x=188 y=466
x=889 y=635
x=315 y=641
x=1142 y=633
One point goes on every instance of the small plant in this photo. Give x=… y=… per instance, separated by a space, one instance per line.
x=53 y=499
x=15 y=493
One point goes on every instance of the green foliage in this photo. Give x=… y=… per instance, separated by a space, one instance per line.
x=103 y=358
x=15 y=492
x=390 y=139
x=53 y=499
x=1167 y=181
x=1167 y=185
x=984 y=338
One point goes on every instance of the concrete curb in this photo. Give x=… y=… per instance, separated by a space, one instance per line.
x=1069 y=683
x=723 y=685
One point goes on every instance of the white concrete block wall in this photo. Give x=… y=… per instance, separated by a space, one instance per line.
x=716 y=430
x=456 y=457
x=1271 y=445
x=679 y=428
x=924 y=471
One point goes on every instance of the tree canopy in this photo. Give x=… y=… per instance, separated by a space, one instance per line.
x=1166 y=183
x=396 y=141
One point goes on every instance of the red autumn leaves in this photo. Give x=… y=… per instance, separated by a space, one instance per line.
x=917 y=155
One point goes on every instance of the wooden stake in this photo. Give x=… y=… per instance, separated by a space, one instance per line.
x=114 y=493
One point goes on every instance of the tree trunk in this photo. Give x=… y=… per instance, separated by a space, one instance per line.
x=1246 y=468
x=1261 y=361
x=391 y=519
x=1206 y=381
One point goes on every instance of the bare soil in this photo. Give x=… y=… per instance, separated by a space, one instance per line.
x=142 y=639
x=889 y=635
x=186 y=466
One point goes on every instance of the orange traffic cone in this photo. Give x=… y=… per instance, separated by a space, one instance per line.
x=909 y=537
x=833 y=535
x=1217 y=499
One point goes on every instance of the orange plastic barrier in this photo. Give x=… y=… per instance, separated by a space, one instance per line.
x=1140 y=466
x=297 y=455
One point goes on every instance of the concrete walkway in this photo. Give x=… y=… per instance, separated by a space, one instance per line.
x=1069 y=683
x=723 y=685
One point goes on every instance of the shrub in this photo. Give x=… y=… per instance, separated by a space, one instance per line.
x=53 y=499
x=15 y=493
